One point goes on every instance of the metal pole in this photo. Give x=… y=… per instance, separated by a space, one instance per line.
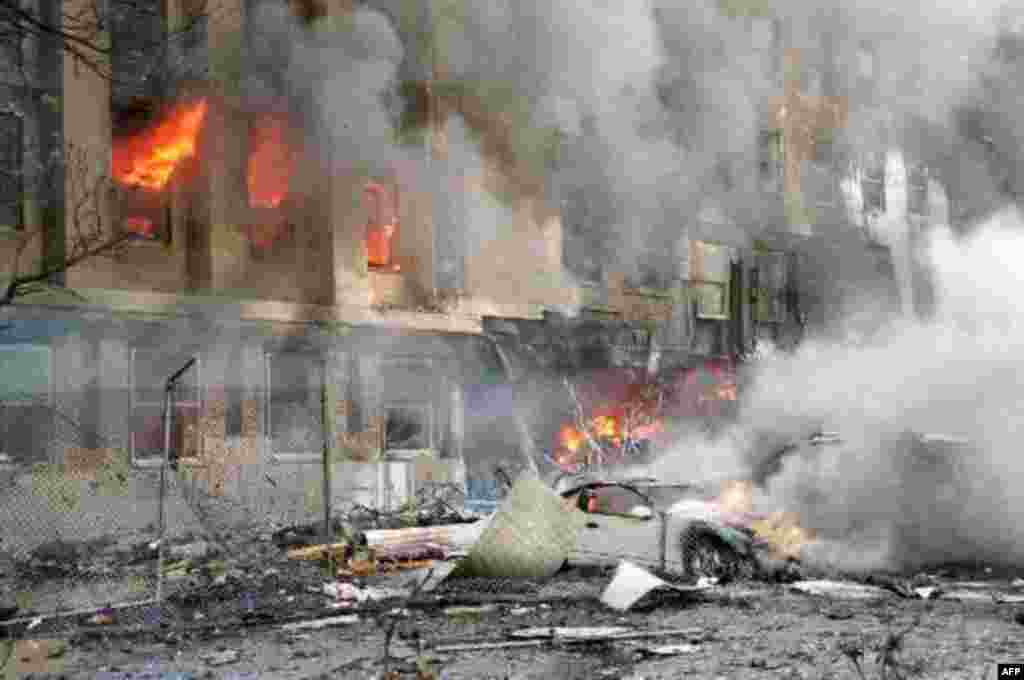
x=161 y=515
x=327 y=420
x=162 y=520
x=663 y=540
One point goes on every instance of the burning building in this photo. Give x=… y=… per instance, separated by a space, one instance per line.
x=285 y=263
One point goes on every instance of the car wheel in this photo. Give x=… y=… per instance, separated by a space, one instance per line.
x=705 y=552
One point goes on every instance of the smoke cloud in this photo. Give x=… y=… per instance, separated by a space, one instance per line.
x=875 y=500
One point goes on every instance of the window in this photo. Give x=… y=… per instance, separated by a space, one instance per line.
x=11 y=159
x=654 y=271
x=380 y=199
x=294 y=405
x=710 y=273
x=770 y=150
x=149 y=371
x=917 y=189
x=873 y=184
x=769 y=287
x=408 y=426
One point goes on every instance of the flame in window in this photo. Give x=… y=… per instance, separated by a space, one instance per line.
x=270 y=162
x=382 y=225
x=149 y=159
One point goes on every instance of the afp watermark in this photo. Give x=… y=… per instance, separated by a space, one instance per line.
x=1010 y=670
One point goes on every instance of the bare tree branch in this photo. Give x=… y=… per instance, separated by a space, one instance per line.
x=89 y=233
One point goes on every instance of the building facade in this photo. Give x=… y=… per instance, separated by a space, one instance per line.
x=285 y=269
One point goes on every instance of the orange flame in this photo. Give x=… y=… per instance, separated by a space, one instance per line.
x=570 y=438
x=270 y=163
x=604 y=428
x=780 y=530
x=783 y=533
x=381 y=229
x=149 y=159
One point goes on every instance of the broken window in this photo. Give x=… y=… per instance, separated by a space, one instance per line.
x=11 y=160
x=769 y=287
x=710 y=272
x=148 y=373
x=873 y=183
x=381 y=202
x=408 y=426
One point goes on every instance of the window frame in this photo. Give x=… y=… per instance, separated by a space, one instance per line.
x=699 y=284
x=16 y=169
x=773 y=293
x=268 y=413
x=134 y=405
x=874 y=172
x=771 y=150
x=917 y=189
x=430 y=419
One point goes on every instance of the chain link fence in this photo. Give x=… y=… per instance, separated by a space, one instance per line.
x=79 y=523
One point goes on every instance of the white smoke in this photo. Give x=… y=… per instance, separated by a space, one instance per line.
x=871 y=499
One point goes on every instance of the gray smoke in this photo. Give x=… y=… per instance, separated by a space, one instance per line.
x=874 y=500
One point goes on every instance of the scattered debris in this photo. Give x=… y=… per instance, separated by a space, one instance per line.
x=101 y=619
x=546 y=636
x=631 y=583
x=351 y=592
x=427 y=578
x=928 y=592
x=840 y=589
x=317 y=624
x=394 y=541
x=470 y=611
x=582 y=633
x=670 y=650
x=189 y=551
x=319 y=552
x=530 y=536
x=220 y=658
x=968 y=595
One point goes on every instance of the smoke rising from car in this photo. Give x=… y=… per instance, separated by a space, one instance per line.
x=875 y=500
